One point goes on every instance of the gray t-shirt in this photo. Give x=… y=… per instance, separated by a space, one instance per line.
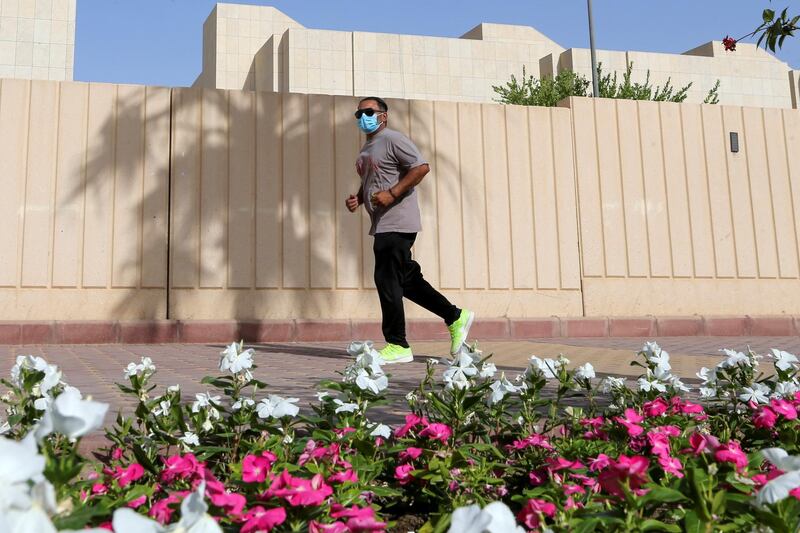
x=384 y=160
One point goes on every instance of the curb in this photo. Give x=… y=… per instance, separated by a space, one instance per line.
x=303 y=330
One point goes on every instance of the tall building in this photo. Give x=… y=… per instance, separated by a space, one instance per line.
x=37 y=39
x=260 y=48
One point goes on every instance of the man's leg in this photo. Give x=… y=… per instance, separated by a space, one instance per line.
x=389 y=259
x=419 y=291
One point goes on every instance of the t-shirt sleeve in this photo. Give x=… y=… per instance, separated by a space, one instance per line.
x=407 y=153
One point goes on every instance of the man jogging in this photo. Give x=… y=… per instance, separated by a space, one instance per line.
x=390 y=167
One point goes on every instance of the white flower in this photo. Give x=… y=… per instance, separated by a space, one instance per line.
x=735 y=359
x=207 y=425
x=163 y=408
x=243 y=402
x=19 y=462
x=585 y=371
x=190 y=439
x=235 y=360
x=648 y=385
x=321 y=395
x=708 y=392
x=708 y=375
x=494 y=518
x=488 y=370
x=656 y=355
x=277 y=407
x=174 y=388
x=778 y=488
x=611 y=384
x=5 y=427
x=71 y=415
x=364 y=347
x=381 y=430
x=758 y=393
x=784 y=360
x=501 y=387
x=785 y=389
x=375 y=382
x=344 y=407
x=194 y=518
x=27 y=362
x=204 y=400
x=546 y=367
x=144 y=368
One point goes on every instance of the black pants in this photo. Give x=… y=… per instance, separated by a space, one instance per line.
x=397 y=275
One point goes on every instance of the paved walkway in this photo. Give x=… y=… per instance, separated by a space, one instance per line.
x=295 y=369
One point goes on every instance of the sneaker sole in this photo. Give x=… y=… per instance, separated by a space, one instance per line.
x=470 y=318
x=406 y=359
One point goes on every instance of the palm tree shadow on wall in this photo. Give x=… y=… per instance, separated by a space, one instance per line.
x=197 y=167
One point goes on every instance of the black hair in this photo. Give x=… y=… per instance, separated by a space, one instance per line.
x=381 y=103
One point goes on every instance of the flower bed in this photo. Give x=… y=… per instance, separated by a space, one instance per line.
x=479 y=451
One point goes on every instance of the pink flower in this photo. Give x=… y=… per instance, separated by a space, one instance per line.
x=631 y=422
x=216 y=492
x=403 y=473
x=600 y=462
x=537 y=477
x=343 y=431
x=701 y=443
x=177 y=467
x=765 y=418
x=595 y=422
x=686 y=408
x=347 y=476
x=571 y=488
x=255 y=468
x=358 y=519
x=437 y=431
x=126 y=476
x=533 y=440
x=161 y=510
x=672 y=431
x=299 y=491
x=784 y=408
x=570 y=504
x=99 y=488
x=412 y=421
x=554 y=464
x=137 y=502
x=116 y=454
x=795 y=493
x=671 y=465
x=659 y=443
x=656 y=407
x=630 y=469
x=260 y=519
x=532 y=515
x=409 y=454
x=731 y=453
x=336 y=527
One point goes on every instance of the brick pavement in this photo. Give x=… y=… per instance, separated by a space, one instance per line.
x=293 y=369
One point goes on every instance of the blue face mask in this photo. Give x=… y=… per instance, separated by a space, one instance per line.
x=369 y=124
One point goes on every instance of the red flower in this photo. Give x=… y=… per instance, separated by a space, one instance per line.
x=630 y=469
x=729 y=43
x=656 y=407
x=437 y=431
x=260 y=519
x=532 y=515
x=765 y=418
x=731 y=453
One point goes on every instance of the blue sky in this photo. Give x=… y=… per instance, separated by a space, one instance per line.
x=159 y=42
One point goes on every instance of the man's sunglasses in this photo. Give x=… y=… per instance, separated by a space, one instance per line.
x=368 y=111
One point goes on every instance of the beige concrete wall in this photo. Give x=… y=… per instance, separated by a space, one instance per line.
x=259 y=227
x=748 y=77
x=37 y=39
x=600 y=207
x=84 y=172
x=673 y=222
x=239 y=32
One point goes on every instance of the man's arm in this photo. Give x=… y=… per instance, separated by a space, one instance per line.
x=412 y=178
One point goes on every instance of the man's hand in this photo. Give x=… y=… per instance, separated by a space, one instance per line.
x=352 y=202
x=382 y=199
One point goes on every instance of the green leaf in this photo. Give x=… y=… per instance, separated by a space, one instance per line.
x=659 y=494
x=652 y=524
x=768 y=15
x=693 y=524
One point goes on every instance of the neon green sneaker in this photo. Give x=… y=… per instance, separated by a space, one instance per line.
x=394 y=353
x=459 y=330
